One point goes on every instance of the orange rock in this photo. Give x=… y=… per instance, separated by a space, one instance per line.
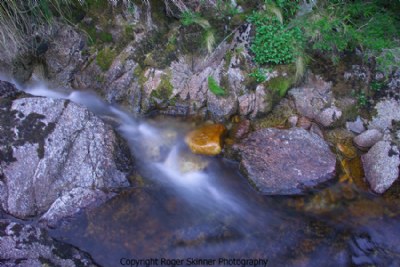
x=206 y=140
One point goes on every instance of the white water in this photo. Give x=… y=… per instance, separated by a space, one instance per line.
x=199 y=187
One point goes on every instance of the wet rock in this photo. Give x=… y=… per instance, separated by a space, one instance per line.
x=381 y=166
x=312 y=97
x=69 y=204
x=356 y=126
x=329 y=116
x=387 y=111
x=26 y=245
x=54 y=147
x=8 y=90
x=368 y=138
x=206 y=140
x=285 y=161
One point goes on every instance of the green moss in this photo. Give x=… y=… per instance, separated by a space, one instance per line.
x=214 y=87
x=105 y=58
x=139 y=73
x=98 y=5
x=164 y=89
x=128 y=32
x=105 y=37
x=279 y=85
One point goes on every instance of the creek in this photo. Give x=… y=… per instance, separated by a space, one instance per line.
x=189 y=210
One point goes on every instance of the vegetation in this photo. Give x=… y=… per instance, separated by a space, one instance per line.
x=214 y=87
x=189 y=18
x=105 y=58
x=274 y=42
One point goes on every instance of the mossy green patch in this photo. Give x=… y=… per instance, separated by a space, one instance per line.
x=280 y=85
x=105 y=58
x=164 y=89
x=214 y=87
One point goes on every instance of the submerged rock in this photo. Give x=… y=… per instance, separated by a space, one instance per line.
x=26 y=245
x=206 y=140
x=281 y=162
x=54 y=148
x=381 y=166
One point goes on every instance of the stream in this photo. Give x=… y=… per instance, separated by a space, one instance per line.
x=190 y=210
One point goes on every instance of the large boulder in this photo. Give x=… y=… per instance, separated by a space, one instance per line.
x=25 y=245
x=285 y=162
x=53 y=150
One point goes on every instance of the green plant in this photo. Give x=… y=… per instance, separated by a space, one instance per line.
x=189 y=18
x=259 y=75
x=214 y=87
x=274 y=42
x=289 y=7
x=105 y=58
x=362 y=99
x=280 y=85
x=377 y=86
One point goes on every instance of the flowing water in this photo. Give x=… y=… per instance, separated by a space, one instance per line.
x=184 y=209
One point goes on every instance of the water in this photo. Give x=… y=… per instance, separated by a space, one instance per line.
x=187 y=208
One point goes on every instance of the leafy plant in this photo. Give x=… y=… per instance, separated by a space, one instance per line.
x=362 y=99
x=259 y=75
x=274 y=42
x=214 y=87
x=376 y=86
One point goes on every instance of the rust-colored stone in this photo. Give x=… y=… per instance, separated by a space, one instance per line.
x=206 y=140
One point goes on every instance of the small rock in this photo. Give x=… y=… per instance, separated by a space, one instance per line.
x=206 y=140
x=381 y=166
x=285 y=161
x=304 y=123
x=368 y=138
x=356 y=126
x=328 y=116
x=293 y=121
x=241 y=129
x=316 y=130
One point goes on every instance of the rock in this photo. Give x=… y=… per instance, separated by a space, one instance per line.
x=25 y=245
x=387 y=112
x=69 y=204
x=65 y=54
x=241 y=129
x=329 y=116
x=316 y=130
x=52 y=149
x=8 y=90
x=381 y=166
x=368 y=138
x=206 y=139
x=312 y=97
x=285 y=162
x=304 y=122
x=356 y=126
x=292 y=120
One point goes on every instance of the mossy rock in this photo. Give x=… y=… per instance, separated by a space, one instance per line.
x=280 y=85
x=105 y=58
x=164 y=90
